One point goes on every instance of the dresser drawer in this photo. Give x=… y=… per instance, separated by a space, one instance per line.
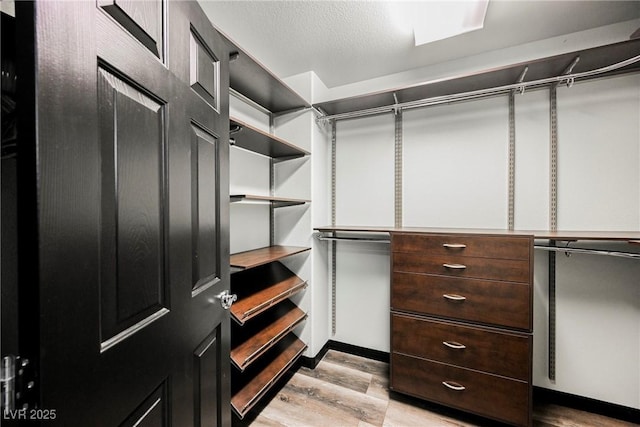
x=484 y=394
x=492 y=302
x=462 y=244
x=482 y=349
x=458 y=266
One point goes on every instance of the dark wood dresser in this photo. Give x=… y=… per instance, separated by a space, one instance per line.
x=461 y=321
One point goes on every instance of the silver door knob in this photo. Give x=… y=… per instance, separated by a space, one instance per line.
x=226 y=299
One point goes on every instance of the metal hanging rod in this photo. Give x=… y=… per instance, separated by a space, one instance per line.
x=325 y=237
x=569 y=78
x=569 y=250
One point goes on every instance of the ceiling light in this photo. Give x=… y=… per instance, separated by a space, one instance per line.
x=437 y=20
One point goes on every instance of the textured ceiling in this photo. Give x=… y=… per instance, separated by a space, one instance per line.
x=349 y=41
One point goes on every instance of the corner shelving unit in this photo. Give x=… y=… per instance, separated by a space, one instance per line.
x=263 y=343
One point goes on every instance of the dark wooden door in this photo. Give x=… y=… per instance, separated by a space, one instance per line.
x=124 y=210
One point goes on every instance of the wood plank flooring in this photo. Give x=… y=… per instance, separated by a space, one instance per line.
x=347 y=390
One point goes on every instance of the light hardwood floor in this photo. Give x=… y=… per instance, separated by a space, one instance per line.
x=347 y=390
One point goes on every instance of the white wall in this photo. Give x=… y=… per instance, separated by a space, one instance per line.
x=597 y=327
x=364 y=171
x=455 y=174
x=362 y=295
x=456 y=165
x=598 y=152
x=531 y=204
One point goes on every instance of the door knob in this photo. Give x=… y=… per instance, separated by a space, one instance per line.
x=226 y=299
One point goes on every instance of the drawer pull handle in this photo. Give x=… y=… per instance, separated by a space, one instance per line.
x=454 y=245
x=455 y=266
x=454 y=345
x=453 y=386
x=454 y=297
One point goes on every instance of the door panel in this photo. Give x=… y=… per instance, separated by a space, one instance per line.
x=204 y=153
x=203 y=69
x=132 y=144
x=206 y=392
x=153 y=412
x=127 y=171
x=144 y=20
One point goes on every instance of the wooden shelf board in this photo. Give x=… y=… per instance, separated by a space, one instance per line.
x=262 y=287
x=253 y=80
x=257 y=339
x=538 y=69
x=628 y=236
x=284 y=355
x=257 y=257
x=277 y=202
x=253 y=139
